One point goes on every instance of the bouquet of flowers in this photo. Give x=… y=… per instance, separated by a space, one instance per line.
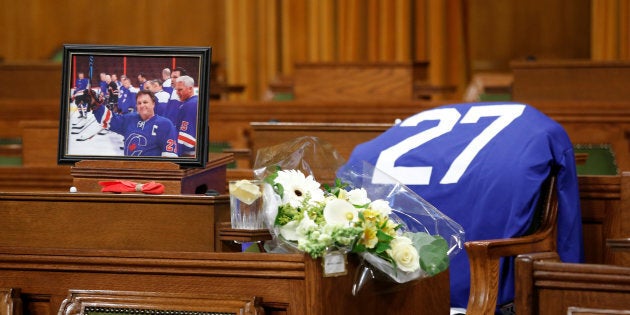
x=392 y=228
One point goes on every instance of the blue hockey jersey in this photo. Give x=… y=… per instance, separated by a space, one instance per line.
x=156 y=136
x=482 y=164
x=187 y=126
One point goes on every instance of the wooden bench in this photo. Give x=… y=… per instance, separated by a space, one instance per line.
x=546 y=286
x=95 y=302
x=288 y=284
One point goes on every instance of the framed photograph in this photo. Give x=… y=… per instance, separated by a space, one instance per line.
x=139 y=103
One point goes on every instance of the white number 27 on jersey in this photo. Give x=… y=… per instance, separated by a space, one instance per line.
x=448 y=118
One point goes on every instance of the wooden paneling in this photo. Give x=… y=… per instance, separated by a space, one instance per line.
x=502 y=31
x=258 y=40
x=35 y=179
x=39 y=136
x=30 y=80
x=35 y=30
x=600 y=201
x=610 y=35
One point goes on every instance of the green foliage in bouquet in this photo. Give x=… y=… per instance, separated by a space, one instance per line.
x=317 y=220
x=433 y=251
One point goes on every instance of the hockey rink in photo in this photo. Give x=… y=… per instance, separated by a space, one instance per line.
x=87 y=137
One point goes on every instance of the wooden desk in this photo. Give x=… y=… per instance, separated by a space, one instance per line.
x=289 y=284
x=343 y=136
x=111 y=221
x=357 y=81
x=571 y=80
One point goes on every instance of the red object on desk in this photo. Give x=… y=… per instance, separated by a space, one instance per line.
x=120 y=186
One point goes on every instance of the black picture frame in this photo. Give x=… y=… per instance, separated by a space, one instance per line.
x=84 y=137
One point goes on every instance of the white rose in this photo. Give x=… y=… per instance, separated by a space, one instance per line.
x=381 y=206
x=358 y=197
x=404 y=254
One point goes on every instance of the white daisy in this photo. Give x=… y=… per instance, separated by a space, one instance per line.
x=297 y=187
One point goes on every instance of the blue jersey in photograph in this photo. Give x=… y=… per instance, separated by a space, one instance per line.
x=171 y=110
x=187 y=126
x=126 y=100
x=162 y=103
x=482 y=165
x=103 y=86
x=81 y=84
x=156 y=136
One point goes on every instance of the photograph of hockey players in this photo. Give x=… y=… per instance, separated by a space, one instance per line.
x=138 y=133
x=106 y=117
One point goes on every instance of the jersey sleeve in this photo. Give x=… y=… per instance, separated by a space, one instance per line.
x=169 y=139
x=109 y=120
x=187 y=133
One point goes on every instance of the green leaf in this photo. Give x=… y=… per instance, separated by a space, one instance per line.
x=434 y=257
x=383 y=237
x=359 y=248
x=279 y=189
x=381 y=247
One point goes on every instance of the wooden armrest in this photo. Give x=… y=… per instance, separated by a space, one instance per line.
x=498 y=248
x=484 y=255
x=484 y=259
x=10 y=301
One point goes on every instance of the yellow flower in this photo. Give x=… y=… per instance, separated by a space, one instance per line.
x=370 y=215
x=369 y=238
x=390 y=227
